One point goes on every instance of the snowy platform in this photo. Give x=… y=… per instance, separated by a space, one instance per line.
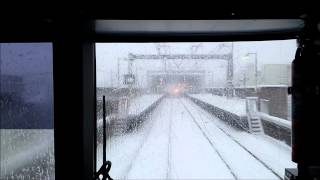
x=233 y=105
x=233 y=111
x=139 y=108
x=230 y=110
x=141 y=103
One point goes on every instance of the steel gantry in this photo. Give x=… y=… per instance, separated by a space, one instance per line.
x=228 y=57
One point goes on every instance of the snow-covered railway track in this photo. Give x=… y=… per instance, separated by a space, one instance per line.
x=169 y=154
x=182 y=141
x=205 y=134
x=242 y=146
x=210 y=142
x=145 y=145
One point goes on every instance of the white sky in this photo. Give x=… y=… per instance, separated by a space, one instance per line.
x=107 y=54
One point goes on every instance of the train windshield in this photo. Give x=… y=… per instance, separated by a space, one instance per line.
x=206 y=110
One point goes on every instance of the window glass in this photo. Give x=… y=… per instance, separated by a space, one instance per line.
x=195 y=110
x=26 y=103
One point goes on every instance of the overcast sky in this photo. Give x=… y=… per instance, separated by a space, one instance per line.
x=108 y=55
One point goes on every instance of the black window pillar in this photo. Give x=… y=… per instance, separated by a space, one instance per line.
x=306 y=101
x=74 y=100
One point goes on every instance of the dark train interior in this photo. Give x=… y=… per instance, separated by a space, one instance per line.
x=69 y=34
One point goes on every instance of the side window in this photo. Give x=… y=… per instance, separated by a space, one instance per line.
x=26 y=106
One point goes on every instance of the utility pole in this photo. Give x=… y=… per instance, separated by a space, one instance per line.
x=230 y=90
x=111 y=78
x=244 y=79
x=255 y=68
x=194 y=49
x=212 y=80
x=130 y=85
x=136 y=76
x=118 y=73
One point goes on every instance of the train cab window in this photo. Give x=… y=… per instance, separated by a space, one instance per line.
x=26 y=111
x=206 y=110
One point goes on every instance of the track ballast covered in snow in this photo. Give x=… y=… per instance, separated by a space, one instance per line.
x=179 y=140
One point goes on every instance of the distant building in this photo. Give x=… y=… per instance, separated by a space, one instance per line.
x=274 y=101
x=276 y=74
x=274 y=81
x=246 y=77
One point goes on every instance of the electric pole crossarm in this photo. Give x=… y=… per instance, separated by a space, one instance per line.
x=180 y=56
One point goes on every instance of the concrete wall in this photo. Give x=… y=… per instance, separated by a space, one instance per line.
x=278 y=100
x=276 y=131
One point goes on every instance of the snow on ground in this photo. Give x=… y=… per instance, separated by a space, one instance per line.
x=151 y=161
x=147 y=154
x=122 y=150
x=274 y=153
x=192 y=157
x=234 y=105
x=172 y=144
x=141 y=103
x=244 y=165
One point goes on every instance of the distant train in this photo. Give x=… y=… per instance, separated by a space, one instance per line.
x=177 y=90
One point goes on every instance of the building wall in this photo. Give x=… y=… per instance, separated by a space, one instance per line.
x=278 y=100
x=276 y=74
